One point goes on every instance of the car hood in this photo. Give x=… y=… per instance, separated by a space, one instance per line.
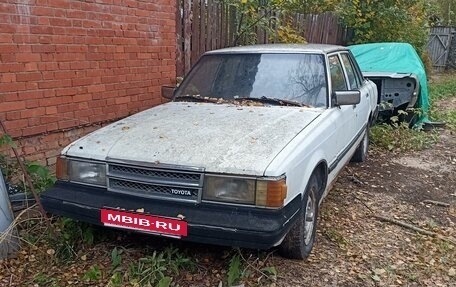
x=221 y=138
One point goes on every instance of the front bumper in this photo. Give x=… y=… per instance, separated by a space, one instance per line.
x=219 y=224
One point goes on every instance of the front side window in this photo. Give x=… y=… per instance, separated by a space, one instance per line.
x=337 y=74
x=297 y=77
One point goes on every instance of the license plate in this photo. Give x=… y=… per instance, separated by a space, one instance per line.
x=143 y=222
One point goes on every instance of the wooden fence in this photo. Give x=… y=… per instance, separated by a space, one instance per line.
x=204 y=25
x=439 y=45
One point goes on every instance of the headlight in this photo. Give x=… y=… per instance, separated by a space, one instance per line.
x=269 y=192
x=229 y=189
x=81 y=171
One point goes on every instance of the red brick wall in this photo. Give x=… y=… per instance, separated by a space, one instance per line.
x=67 y=63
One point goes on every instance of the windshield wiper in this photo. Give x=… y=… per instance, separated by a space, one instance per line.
x=267 y=100
x=196 y=98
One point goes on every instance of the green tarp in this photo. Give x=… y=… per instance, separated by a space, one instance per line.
x=395 y=57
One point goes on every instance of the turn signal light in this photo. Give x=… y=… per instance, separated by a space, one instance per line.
x=271 y=193
x=61 y=168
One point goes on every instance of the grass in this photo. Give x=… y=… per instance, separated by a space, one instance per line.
x=443 y=90
x=42 y=279
x=399 y=137
x=156 y=269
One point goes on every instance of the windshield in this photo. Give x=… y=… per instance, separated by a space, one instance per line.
x=290 y=77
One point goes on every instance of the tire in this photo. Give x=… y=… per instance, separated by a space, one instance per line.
x=360 y=154
x=299 y=241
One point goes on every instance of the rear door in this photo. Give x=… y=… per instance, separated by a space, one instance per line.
x=355 y=82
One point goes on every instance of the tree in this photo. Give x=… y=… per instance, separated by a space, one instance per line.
x=310 y=6
x=386 y=21
x=266 y=15
x=443 y=12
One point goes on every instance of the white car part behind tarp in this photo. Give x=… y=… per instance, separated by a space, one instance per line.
x=8 y=239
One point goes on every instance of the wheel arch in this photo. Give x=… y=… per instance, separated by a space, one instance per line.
x=321 y=171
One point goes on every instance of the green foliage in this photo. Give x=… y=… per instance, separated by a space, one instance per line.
x=116 y=280
x=153 y=270
x=270 y=270
x=71 y=236
x=443 y=96
x=6 y=140
x=165 y=282
x=241 y=268
x=310 y=6
x=116 y=258
x=93 y=274
x=261 y=15
x=443 y=12
x=10 y=170
x=177 y=259
x=444 y=88
x=398 y=136
x=42 y=279
x=386 y=21
x=234 y=270
x=40 y=175
x=287 y=34
x=449 y=117
x=9 y=166
x=148 y=270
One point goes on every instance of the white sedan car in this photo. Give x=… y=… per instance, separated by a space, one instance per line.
x=242 y=156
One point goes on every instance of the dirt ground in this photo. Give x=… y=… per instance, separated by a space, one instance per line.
x=353 y=247
x=356 y=249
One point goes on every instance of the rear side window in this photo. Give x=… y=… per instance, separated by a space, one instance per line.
x=337 y=74
x=353 y=78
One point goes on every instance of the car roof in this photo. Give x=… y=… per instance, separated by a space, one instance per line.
x=281 y=48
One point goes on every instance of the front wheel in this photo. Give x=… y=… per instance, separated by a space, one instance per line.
x=299 y=241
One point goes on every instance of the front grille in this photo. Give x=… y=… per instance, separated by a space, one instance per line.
x=155 y=182
x=150 y=173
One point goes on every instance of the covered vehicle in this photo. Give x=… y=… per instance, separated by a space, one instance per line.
x=399 y=74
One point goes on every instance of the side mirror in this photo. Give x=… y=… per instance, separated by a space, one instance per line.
x=179 y=81
x=345 y=98
x=167 y=92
